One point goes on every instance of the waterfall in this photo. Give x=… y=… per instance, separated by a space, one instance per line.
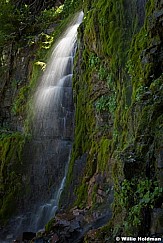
x=53 y=126
x=48 y=153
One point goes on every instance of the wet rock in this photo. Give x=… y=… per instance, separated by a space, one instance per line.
x=145 y=60
x=78 y=171
x=101 y=192
x=74 y=225
x=9 y=237
x=99 y=199
x=77 y=211
x=65 y=216
x=158 y=14
x=153 y=50
x=54 y=238
x=157 y=221
x=64 y=223
x=95 y=215
x=91 y=235
x=80 y=217
x=71 y=226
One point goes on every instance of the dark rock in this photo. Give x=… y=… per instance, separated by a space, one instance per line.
x=54 y=238
x=157 y=221
x=160 y=177
x=141 y=11
x=80 y=217
x=77 y=211
x=64 y=223
x=153 y=50
x=78 y=171
x=9 y=237
x=101 y=193
x=158 y=13
x=28 y=235
x=160 y=158
x=75 y=225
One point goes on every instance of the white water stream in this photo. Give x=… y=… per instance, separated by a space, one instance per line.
x=53 y=118
x=55 y=87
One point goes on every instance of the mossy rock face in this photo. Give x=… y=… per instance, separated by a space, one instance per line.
x=96 y=86
x=11 y=173
x=118 y=101
x=118 y=121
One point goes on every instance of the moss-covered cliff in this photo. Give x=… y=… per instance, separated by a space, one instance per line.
x=118 y=131
x=116 y=163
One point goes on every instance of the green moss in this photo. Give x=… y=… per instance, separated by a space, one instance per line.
x=7 y=208
x=21 y=100
x=94 y=195
x=82 y=193
x=99 y=62
x=103 y=155
x=115 y=50
x=107 y=102
x=49 y=225
x=71 y=6
x=11 y=171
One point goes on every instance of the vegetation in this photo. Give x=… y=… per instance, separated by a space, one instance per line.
x=135 y=197
x=114 y=89
x=11 y=171
x=21 y=30
x=118 y=99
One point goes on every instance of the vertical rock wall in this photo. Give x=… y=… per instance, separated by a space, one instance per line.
x=116 y=161
x=18 y=74
x=118 y=122
x=15 y=84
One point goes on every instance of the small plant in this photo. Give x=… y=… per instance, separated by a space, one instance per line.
x=49 y=16
x=130 y=68
x=46 y=41
x=49 y=225
x=42 y=65
x=93 y=61
x=16 y=83
x=106 y=103
x=134 y=196
x=102 y=104
x=109 y=81
x=115 y=134
x=102 y=73
x=139 y=92
x=112 y=103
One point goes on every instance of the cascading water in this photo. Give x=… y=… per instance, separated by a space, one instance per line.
x=54 y=121
x=53 y=135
